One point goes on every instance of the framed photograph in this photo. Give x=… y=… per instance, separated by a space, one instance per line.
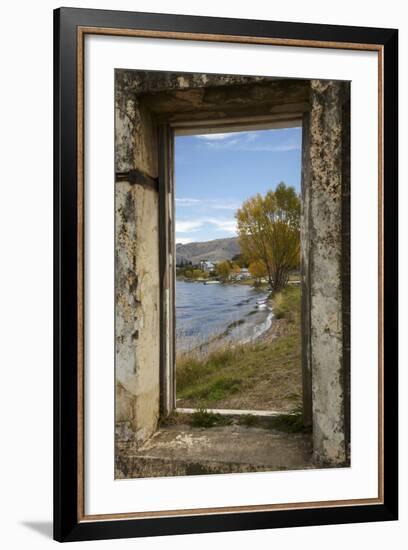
x=225 y=274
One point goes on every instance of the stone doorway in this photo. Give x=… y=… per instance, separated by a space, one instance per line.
x=150 y=108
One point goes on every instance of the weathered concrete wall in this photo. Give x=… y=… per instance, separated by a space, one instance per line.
x=346 y=259
x=132 y=82
x=137 y=309
x=327 y=148
x=142 y=101
x=137 y=290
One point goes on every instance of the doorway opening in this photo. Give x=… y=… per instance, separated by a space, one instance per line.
x=237 y=201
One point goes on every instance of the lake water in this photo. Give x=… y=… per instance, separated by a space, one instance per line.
x=235 y=311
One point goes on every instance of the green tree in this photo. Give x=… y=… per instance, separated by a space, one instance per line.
x=269 y=230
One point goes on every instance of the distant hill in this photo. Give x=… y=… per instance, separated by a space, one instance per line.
x=214 y=251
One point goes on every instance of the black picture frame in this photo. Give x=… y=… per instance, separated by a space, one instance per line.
x=67 y=526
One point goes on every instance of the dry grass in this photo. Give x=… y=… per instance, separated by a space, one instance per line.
x=262 y=375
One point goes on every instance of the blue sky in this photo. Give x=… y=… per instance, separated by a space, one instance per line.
x=215 y=173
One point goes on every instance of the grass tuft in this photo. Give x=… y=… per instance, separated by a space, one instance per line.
x=248 y=420
x=286 y=304
x=289 y=423
x=205 y=419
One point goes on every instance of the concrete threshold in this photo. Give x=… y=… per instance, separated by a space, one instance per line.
x=234 y=412
x=184 y=450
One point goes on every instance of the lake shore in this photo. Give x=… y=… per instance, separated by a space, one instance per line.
x=209 y=316
x=264 y=374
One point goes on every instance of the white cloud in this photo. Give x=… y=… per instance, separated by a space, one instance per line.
x=187 y=201
x=186 y=226
x=246 y=141
x=215 y=137
x=183 y=240
x=215 y=204
x=223 y=225
x=191 y=226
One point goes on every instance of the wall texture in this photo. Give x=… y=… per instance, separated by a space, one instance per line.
x=144 y=101
x=137 y=289
x=327 y=165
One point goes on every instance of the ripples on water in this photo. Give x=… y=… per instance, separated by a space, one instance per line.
x=207 y=311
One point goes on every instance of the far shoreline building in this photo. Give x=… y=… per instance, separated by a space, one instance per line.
x=207 y=266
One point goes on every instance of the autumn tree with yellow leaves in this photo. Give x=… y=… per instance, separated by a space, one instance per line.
x=269 y=232
x=257 y=269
